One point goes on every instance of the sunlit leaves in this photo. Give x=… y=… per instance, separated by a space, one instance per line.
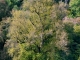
x=75 y=9
x=77 y=29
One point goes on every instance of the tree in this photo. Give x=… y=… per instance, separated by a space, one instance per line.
x=32 y=27
x=3 y=10
x=74 y=8
x=77 y=29
x=31 y=30
x=74 y=40
x=32 y=33
x=12 y=3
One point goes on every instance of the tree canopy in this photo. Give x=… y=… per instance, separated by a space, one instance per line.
x=39 y=30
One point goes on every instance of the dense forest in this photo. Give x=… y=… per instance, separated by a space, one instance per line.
x=39 y=29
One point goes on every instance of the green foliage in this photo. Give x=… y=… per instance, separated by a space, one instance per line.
x=3 y=32
x=74 y=40
x=79 y=58
x=77 y=29
x=31 y=29
x=12 y=3
x=74 y=8
x=36 y=31
x=3 y=10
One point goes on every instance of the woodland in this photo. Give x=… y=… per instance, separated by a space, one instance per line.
x=39 y=29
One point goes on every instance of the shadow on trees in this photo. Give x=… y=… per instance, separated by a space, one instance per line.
x=5 y=8
x=4 y=55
